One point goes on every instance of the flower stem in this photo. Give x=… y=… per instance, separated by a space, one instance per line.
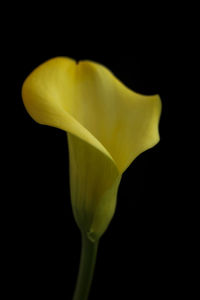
x=86 y=268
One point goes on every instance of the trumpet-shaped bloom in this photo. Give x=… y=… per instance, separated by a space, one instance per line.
x=107 y=125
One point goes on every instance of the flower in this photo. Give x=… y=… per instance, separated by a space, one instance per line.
x=107 y=126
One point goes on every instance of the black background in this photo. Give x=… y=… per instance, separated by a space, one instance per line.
x=143 y=252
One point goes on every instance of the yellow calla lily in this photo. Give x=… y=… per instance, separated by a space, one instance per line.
x=107 y=124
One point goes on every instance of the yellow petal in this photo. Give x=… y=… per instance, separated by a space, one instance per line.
x=108 y=125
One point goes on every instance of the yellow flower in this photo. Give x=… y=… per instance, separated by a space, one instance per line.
x=107 y=125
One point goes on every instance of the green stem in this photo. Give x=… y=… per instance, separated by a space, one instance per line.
x=86 y=268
